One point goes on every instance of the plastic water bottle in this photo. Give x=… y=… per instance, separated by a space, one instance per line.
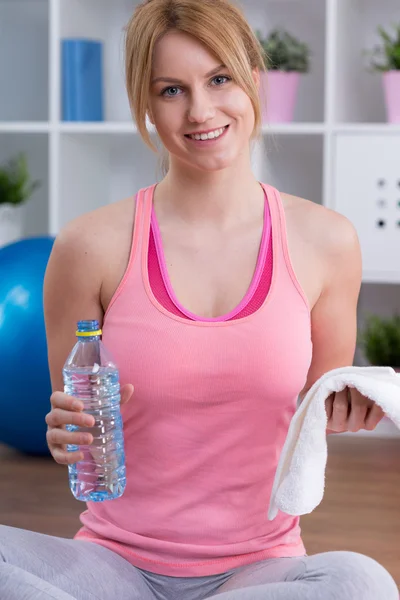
x=90 y=374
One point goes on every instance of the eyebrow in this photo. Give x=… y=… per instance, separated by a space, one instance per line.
x=173 y=80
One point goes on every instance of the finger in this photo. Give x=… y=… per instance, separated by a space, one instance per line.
x=329 y=405
x=58 y=417
x=374 y=416
x=359 y=406
x=126 y=393
x=63 y=437
x=61 y=400
x=340 y=412
x=63 y=457
x=356 y=398
x=357 y=417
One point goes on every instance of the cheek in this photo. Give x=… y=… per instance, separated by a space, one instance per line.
x=238 y=104
x=167 y=117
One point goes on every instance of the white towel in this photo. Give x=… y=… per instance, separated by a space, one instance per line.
x=300 y=476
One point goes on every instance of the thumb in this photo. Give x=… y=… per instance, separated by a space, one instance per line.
x=126 y=393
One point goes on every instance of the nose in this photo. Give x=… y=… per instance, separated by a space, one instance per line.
x=201 y=108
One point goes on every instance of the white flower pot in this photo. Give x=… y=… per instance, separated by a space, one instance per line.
x=10 y=224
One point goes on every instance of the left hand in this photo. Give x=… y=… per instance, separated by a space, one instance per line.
x=351 y=411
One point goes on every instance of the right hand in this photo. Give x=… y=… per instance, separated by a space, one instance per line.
x=68 y=410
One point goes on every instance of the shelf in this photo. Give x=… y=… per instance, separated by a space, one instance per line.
x=24 y=127
x=126 y=127
x=367 y=128
x=382 y=278
x=294 y=128
x=105 y=127
x=130 y=128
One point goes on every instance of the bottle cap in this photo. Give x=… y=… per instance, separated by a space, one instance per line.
x=88 y=328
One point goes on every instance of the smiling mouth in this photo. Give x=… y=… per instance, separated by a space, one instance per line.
x=206 y=137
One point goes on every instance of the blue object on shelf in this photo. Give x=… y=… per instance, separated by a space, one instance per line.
x=82 y=80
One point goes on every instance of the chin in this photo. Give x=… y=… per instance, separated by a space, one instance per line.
x=212 y=163
x=217 y=165
x=211 y=168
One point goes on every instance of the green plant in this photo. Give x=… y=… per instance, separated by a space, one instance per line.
x=380 y=340
x=284 y=52
x=389 y=52
x=15 y=183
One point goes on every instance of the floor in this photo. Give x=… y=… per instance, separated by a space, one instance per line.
x=360 y=510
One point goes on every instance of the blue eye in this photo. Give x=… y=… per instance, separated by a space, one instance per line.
x=222 y=78
x=225 y=77
x=164 y=92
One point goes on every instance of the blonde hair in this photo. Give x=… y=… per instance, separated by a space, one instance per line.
x=234 y=44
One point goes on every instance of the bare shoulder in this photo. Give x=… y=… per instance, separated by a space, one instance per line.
x=321 y=241
x=101 y=241
x=328 y=231
x=101 y=233
x=95 y=229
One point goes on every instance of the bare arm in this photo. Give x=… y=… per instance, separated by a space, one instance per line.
x=71 y=291
x=334 y=316
x=72 y=286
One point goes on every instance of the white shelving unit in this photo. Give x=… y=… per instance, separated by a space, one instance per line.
x=85 y=165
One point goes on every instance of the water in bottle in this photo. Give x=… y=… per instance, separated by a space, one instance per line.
x=91 y=375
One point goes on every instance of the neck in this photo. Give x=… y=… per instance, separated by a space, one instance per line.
x=221 y=199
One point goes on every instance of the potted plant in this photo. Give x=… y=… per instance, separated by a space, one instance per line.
x=286 y=58
x=385 y=59
x=15 y=188
x=380 y=341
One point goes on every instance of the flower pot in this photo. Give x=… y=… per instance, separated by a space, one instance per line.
x=10 y=224
x=391 y=87
x=278 y=92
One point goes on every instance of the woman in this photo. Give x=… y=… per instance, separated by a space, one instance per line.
x=221 y=300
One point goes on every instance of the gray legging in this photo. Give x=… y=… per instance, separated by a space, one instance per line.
x=35 y=566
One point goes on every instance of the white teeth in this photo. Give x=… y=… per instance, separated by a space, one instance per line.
x=208 y=136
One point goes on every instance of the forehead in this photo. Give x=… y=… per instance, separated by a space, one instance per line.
x=177 y=52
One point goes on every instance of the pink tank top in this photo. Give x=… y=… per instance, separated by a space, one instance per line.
x=207 y=422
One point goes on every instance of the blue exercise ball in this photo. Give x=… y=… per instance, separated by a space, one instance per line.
x=25 y=386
